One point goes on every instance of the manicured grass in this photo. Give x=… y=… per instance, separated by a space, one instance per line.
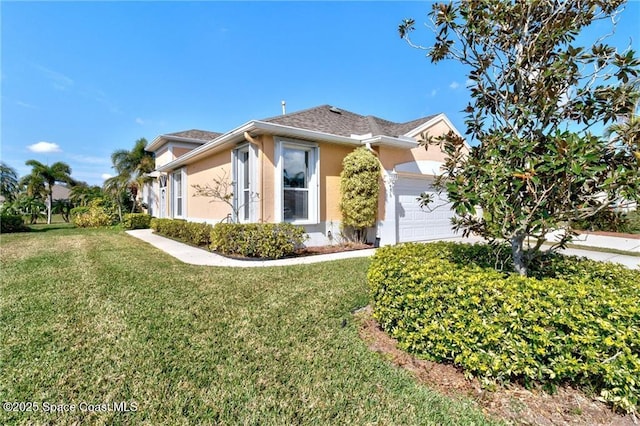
x=96 y=316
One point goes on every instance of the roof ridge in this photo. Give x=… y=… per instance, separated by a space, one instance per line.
x=291 y=114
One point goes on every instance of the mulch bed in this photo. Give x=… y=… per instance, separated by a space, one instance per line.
x=513 y=404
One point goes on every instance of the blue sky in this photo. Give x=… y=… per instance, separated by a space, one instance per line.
x=82 y=79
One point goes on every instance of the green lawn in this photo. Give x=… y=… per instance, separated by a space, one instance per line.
x=96 y=316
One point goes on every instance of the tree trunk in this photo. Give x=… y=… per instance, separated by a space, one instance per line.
x=50 y=206
x=517 y=253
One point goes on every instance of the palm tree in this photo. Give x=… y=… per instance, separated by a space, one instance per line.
x=81 y=194
x=8 y=182
x=115 y=186
x=133 y=166
x=57 y=172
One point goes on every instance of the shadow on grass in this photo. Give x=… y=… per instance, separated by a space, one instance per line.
x=46 y=228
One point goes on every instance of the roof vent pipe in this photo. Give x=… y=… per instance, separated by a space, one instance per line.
x=284 y=108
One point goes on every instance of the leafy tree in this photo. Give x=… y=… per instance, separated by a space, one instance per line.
x=31 y=206
x=57 y=172
x=8 y=182
x=627 y=129
x=535 y=98
x=63 y=208
x=133 y=166
x=359 y=188
x=81 y=194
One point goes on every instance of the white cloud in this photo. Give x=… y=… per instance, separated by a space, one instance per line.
x=454 y=85
x=140 y=121
x=44 y=147
x=469 y=82
x=106 y=176
x=25 y=105
x=58 y=80
x=88 y=159
x=434 y=92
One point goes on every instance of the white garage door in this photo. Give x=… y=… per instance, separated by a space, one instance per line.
x=420 y=224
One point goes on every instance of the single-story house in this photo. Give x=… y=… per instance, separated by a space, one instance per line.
x=287 y=169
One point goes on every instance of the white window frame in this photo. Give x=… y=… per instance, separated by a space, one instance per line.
x=313 y=184
x=183 y=194
x=239 y=184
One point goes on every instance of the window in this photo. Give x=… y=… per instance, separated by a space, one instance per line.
x=297 y=167
x=243 y=185
x=295 y=181
x=177 y=191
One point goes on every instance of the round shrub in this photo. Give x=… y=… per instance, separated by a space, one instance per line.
x=136 y=221
x=263 y=240
x=11 y=223
x=577 y=322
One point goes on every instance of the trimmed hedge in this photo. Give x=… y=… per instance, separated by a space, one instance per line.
x=136 y=221
x=263 y=240
x=11 y=223
x=190 y=232
x=577 y=321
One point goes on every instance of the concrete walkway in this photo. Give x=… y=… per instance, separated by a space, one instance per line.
x=195 y=256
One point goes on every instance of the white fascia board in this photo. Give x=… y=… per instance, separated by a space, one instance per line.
x=392 y=142
x=257 y=127
x=236 y=135
x=435 y=120
x=164 y=139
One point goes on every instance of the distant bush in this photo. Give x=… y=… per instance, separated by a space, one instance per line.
x=633 y=221
x=11 y=223
x=612 y=221
x=94 y=217
x=136 y=220
x=76 y=211
x=576 y=321
x=263 y=240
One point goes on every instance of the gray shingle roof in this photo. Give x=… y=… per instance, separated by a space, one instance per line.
x=335 y=121
x=326 y=119
x=202 y=135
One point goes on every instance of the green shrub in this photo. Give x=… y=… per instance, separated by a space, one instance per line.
x=189 y=232
x=633 y=221
x=605 y=220
x=198 y=234
x=98 y=213
x=11 y=223
x=359 y=188
x=136 y=221
x=577 y=321
x=263 y=240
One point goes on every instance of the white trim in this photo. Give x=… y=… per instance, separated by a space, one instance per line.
x=420 y=168
x=435 y=120
x=251 y=151
x=183 y=194
x=313 y=198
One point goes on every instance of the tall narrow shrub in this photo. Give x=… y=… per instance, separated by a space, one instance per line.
x=359 y=188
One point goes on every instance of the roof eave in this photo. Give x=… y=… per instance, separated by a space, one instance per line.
x=440 y=117
x=164 y=139
x=391 y=142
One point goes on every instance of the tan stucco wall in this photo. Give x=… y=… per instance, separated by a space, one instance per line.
x=178 y=152
x=391 y=157
x=202 y=173
x=163 y=157
x=267 y=169
x=331 y=156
